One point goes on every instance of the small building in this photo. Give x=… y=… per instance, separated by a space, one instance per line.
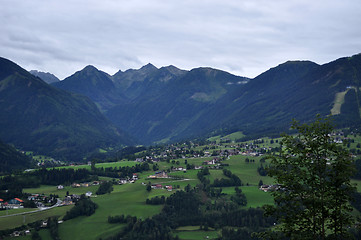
x=157 y=186
x=75 y=185
x=123 y=181
x=60 y=187
x=16 y=234
x=15 y=203
x=264 y=188
x=88 y=194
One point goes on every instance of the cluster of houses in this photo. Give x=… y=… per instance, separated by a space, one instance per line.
x=86 y=184
x=270 y=188
x=133 y=179
x=72 y=199
x=160 y=186
x=214 y=161
x=12 y=204
x=160 y=174
x=78 y=185
x=175 y=152
x=21 y=233
x=40 y=199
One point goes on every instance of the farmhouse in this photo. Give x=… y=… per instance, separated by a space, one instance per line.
x=211 y=162
x=123 y=181
x=264 y=188
x=180 y=169
x=75 y=185
x=160 y=174
x=270 y=188
x=16 y=234
x=14 y=203
x=157 y=186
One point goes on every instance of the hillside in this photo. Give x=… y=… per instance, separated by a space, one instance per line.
x=10 y=159
x=169 y=104
x=154 y=104
x=206 y=100
x=36 y=116
x=95 y=84
x=299 y=90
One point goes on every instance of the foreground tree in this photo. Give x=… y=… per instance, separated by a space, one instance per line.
x=314 y=193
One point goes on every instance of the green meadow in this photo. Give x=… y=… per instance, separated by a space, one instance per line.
x=247 y=171
x=18 y=220
x=129 y=199
x=194 y=233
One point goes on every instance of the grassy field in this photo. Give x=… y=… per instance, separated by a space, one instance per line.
x=233 y=137
x=15 y=211
x=16 y=221
x=47 y=190
x=194 y=233
x=130 y=198
x=247 y=172
x=104 y=165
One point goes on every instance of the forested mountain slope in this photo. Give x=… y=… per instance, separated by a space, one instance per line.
x=37 y=116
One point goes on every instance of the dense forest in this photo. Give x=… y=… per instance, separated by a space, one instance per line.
x=189 y=207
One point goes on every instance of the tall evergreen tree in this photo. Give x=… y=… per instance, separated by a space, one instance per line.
x=313 y=173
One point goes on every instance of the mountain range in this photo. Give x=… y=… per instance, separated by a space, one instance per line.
x=158 y=105
x=39 y=117
x=169 y=104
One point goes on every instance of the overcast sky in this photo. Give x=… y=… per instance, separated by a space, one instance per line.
x=244 y=37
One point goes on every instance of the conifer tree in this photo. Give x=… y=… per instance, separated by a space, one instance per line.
x=314 y=193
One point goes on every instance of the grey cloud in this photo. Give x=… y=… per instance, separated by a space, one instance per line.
x=244 y=37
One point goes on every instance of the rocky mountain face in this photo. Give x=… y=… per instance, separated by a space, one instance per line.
x=45 y=76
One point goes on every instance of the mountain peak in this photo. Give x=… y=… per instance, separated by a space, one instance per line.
x=45 y=76
x=149 y=66
x=90 y=68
